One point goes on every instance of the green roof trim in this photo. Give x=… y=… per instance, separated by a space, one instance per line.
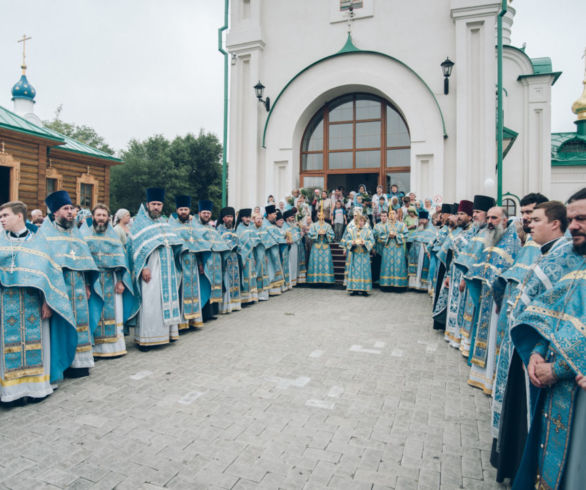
x=75 y=146
x=563 y=159
x=509 y=133
x=554 y=74
x=10 y=120
x=350 y=49
x=349 y=46
x=541 y=66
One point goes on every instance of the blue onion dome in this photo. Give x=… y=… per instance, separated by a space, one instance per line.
x=23 y=89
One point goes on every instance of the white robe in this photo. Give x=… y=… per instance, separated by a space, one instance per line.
x=150 y=328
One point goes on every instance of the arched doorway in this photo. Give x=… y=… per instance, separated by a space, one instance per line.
x=356 y=139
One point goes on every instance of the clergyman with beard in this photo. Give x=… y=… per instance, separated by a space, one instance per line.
x=501 y=247
x=192 y=295
x=112 y=293
x=72 y=253
x=152 y=248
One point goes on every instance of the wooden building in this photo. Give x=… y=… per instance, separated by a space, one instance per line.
x=35 y=161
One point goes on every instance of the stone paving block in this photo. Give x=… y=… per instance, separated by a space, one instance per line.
x=81 y=484
x=405 y=406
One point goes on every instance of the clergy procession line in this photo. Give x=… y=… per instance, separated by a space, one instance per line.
x=508 y=294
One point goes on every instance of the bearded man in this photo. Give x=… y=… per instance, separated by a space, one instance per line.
x=248 y=240
x=111 y=301
x=231 y=300
x=190 y=260
x=152 y=247
x=501 y=247
x=418 y=256
x=72 y=253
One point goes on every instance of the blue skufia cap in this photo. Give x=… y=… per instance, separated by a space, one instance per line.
x=155 y=194
x=424 y=214
x=57 y=200
x=182 y=202
x=205 y=205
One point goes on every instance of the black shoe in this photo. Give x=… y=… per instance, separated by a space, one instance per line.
x=354 y=293
x=76 y=372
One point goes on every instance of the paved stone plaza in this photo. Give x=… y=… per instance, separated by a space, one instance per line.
x=313 y=389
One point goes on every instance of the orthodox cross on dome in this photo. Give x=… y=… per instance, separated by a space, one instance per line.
x=23 y=41
x=584 y=58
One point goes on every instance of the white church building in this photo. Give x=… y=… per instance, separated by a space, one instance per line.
x=359 y=96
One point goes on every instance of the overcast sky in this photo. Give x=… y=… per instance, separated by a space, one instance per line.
x=136 y=68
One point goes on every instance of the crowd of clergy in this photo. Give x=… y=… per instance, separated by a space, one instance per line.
x=508 y=293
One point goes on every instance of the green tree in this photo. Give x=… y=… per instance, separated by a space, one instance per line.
x=187 y=165
x=81 y=133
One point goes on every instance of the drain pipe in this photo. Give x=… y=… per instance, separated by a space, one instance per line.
x=500 y=115
x=225 y=137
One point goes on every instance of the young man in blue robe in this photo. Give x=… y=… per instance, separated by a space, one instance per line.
x=111 y=301
x=509 y=403
x=231 y=300
x=37 y=327
x=189 y=262
x=247 y=241
x=321 y=265
x=550 y=338
x=152 y=247
x=71 y=252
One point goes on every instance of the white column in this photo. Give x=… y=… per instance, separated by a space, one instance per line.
x=475 y=22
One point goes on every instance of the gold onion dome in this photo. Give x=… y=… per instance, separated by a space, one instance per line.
x=579 y=107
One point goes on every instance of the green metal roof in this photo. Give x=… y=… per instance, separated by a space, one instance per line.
x=75 y=146
x=560 y=159
x=10 y=120
x=541 y=66
x=14 y=122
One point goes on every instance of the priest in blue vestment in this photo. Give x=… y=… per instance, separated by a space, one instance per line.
x=71 y=252
x=247 y=241
x=358 y=243
x=231 y=300
x=551 y=340
x=391 y=237
x=213 y=273
x=321 y=266
x=112 y=300
x=418 y=257
x=37 y=326
x=265 y=241
x=449 y=254
x=285 y=241
x=297 y=248
x=272 y=238
x=189 y=262
x=152 y=249
x=467 y=314
x=501 y=247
